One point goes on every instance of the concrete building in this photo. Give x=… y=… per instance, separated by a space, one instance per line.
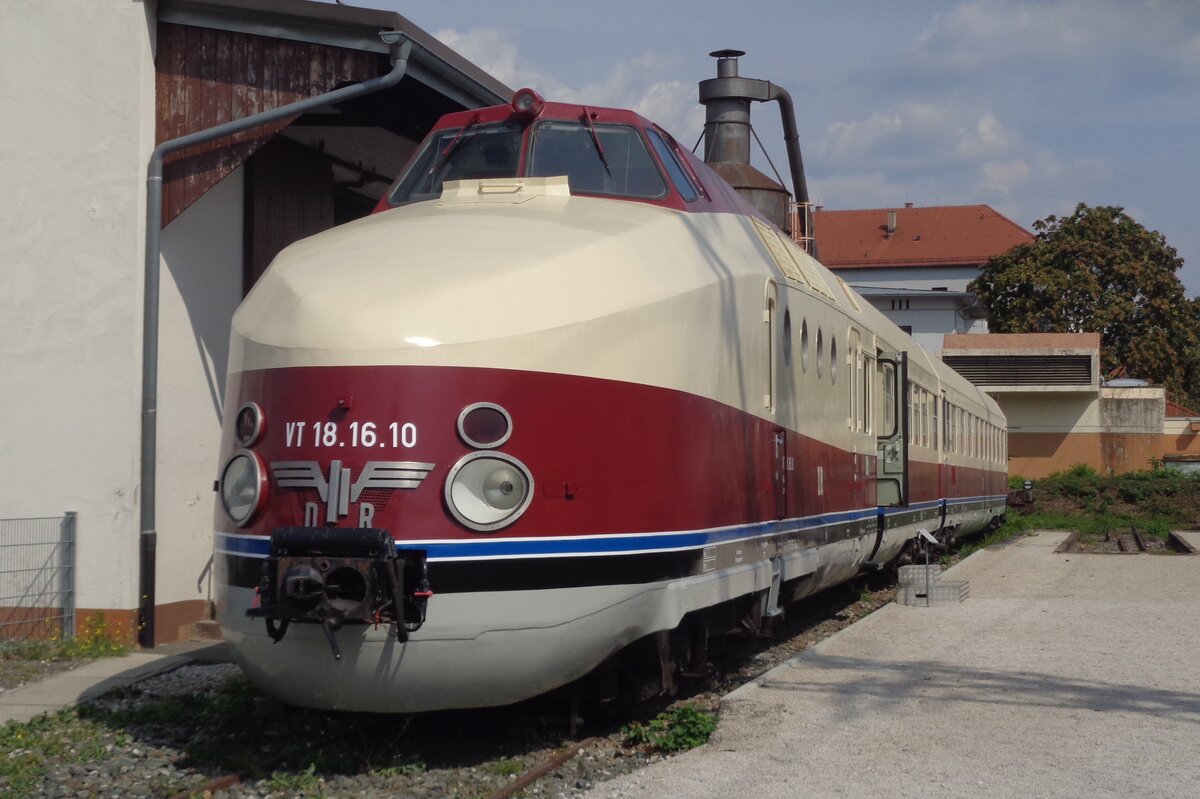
x=90 y=87
x=1059 y=411
x=914 y=264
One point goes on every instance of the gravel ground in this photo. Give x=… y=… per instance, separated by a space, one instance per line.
x=163 y=738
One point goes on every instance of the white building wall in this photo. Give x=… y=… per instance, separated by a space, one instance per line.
x=78 y=94
x=913 y=297
x=201 y=288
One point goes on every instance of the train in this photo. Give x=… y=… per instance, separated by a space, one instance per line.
x=566 y=395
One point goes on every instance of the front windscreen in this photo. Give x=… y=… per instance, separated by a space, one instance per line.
x=599 y=159
x=467 y=153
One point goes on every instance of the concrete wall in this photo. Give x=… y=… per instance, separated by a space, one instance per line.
x=1114 y=430
x=78 y=95
x=201 y=288
x=79 y=100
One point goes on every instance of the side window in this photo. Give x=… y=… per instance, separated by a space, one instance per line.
x=675 y=171
x=889 y=398
x=867 y=370
x=933 y=420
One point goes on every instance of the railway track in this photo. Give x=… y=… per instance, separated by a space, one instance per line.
x=501 y=752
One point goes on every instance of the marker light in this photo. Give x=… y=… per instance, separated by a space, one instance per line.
x=249 y=427
x=484 y=425
x=488 y=490
x=243 y=487
x=527 y=103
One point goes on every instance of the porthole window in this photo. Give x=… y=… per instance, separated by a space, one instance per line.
x=787 y=337
x=833 y=361
x=820 y=354
x=804 y=345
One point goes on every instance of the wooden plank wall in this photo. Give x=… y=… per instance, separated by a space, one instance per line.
x=206 y=77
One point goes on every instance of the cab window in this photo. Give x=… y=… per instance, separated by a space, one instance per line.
x=675 y=170
x=466 y=153
x=613 y=161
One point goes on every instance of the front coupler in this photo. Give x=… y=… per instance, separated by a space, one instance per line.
x=336 y=576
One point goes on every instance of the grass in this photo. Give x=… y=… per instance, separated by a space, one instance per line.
x=1154 y=502
x=93 y=640
x=29 y=749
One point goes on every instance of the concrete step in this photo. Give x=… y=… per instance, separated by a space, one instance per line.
x=942 y=592
x=204 y=630
x=915 y=574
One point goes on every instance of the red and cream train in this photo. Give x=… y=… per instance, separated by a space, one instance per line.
x=564 y=391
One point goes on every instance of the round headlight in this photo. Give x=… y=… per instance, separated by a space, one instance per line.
x=248 y=427
x=484 y=425
x=488 y=490
x=243 y=487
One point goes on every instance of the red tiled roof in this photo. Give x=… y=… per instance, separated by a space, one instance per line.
x=1175 y=410
x=948 y=235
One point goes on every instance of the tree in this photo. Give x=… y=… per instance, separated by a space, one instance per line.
x=1099 y=271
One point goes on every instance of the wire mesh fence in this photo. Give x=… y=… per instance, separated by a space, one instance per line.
x=37 y=577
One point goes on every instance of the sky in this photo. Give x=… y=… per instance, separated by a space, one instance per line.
x=1029 y=107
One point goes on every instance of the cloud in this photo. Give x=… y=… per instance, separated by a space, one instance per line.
x=627 y=84
x=916 y=135
x=1003 y=177
x=1114 y=36
x=496 y=53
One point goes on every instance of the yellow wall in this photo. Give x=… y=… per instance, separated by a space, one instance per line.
x=1035 y=455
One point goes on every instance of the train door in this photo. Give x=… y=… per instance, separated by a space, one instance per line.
x=781 y=473
x=891 y=443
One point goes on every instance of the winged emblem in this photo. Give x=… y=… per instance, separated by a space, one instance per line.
x=338 y=491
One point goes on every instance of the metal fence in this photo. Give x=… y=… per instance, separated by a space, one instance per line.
x=37 y=577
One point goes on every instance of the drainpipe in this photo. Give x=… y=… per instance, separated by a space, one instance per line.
x=148 y=538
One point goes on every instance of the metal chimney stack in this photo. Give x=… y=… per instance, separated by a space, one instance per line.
x=726 y=100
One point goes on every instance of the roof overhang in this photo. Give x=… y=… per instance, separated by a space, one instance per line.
x=431 y=62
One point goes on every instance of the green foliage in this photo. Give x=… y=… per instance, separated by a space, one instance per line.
x=676 y=730
x=292 y=782
x=28 y=749
x=1153 y=502
x=93 y=640
x=1100 y=271
x=1016 y=482
x=506 y=767
x=403 y=765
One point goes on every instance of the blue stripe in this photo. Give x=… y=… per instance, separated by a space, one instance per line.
x=259 y=546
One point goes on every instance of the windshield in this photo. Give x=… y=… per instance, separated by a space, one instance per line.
x=600 y=159
x=470 y=152
x=597 y=159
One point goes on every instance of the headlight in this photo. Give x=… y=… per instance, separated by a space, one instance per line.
x=488 y=490
x=243 y=486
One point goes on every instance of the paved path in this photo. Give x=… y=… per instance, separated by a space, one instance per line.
x=1063 y=675
x=92 y=679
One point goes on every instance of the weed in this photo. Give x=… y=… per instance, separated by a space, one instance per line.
x=404 y=766
x=676 y=730
x=506 y=767
x=29 y=749
x=291 y=782
x=93 y=640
